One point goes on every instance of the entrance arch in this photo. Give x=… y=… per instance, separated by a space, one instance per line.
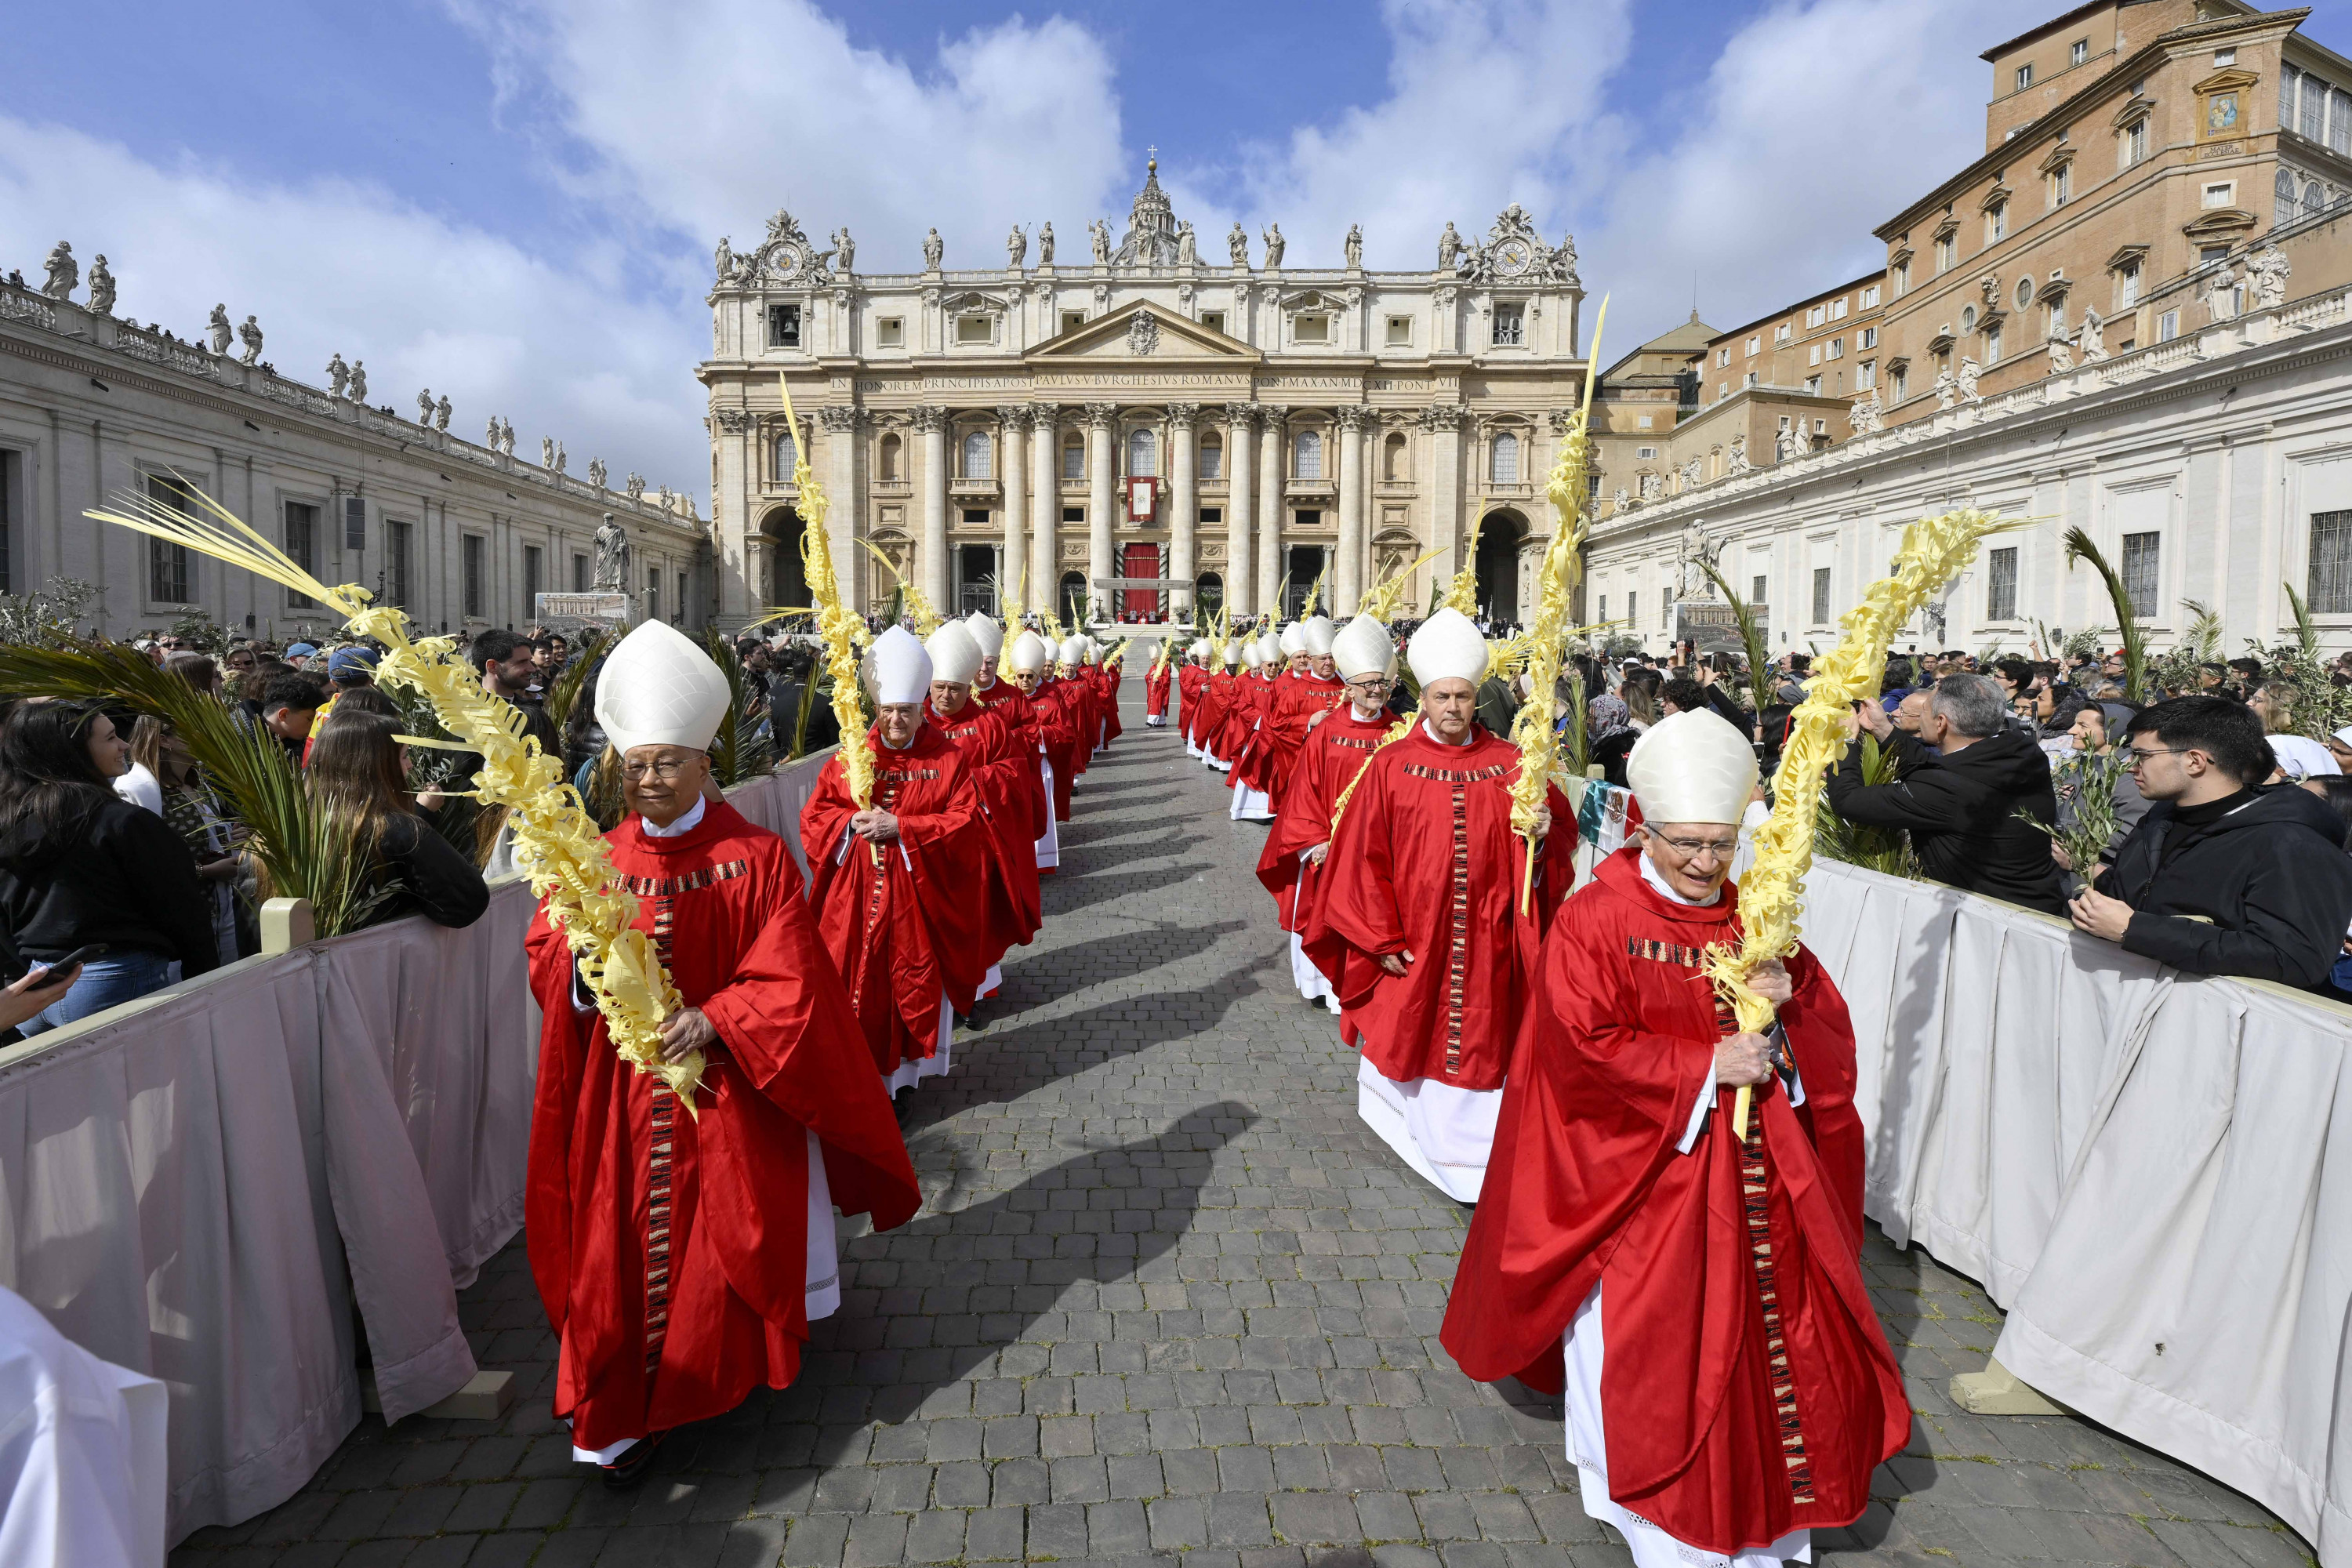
x=787 y=576
x=1072 y=596
x=1499 y=538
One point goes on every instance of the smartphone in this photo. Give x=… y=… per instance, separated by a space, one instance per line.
x=79 y=955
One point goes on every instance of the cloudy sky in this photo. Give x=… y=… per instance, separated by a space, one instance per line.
x=515 y=204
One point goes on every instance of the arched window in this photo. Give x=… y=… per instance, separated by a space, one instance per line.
x=1392 y=459
x=977 y=454
x=1306 y=450
x=1142 y=454
x=1212 y=458
x=1074 y=456
x=2315 y=200
x=2284 y=193
x=1506 y=460
x=889 y=458
x=787 y=455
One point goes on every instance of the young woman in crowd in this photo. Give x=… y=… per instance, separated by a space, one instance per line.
x=164 y=779
x=356 y=772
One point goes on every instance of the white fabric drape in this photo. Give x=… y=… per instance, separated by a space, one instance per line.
x=82 y=1469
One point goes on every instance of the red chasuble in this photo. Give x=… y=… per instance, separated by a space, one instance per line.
x=1334 y=751
x=1004 y=770
x=903 y=926
x=1245 y=705
x=671 y=1251
x=1191 y=681
x=1747 y=1390
x=1105 y=684
x=1216 y=697
x=1021 y=715
x=1424 y=861
x=1155 y=692
x=1275 y=752
x=1055 y=723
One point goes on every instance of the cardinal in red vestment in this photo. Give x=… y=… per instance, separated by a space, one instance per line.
x=1191 y=682
x=1338 y=743
x=1246 y=704
x=1728 y=1388
x=679 y=1254
x=1420 y=922
x=1011 y=699
x=893 y=884
x=1156 y=683
x=1104 y=680
x=1311 y=685
x=1058 y=711
x=1216 y=700
x=1012 y=797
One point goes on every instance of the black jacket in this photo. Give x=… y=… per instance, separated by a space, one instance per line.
x=2265 y=892
x=115 y=874
x=1961 y=810
x=426 y=876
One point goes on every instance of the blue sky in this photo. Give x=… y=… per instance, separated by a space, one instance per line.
x=515 y=204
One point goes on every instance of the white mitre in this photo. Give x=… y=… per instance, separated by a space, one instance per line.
x=955 y=655
x=1070 y=651
x=1364 y=648
x=1028 y=651
x=1315 y=634
x=986 y=634
x=1447 y=648
x=1233 y=653
x=1252 y=654
x=1089 y=650
x=1692 y=767
x=659 y=689
x=1199 y=651
x=897 y=668
x=1289 y=643
x=1270 y=649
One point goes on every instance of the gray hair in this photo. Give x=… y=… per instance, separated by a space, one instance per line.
x=1972 y=704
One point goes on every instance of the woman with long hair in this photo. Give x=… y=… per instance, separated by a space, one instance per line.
x=358 y=776
x=165 y=779
x=81 y=869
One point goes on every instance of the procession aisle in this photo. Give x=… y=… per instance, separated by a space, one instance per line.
x=1170 y=1297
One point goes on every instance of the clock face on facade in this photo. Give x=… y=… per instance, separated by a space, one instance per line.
x=1512 y=255
x=786 y=258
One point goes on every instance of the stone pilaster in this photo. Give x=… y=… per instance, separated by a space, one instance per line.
x=1012 y=424
x=1271 y=453
x=1183 y=501
x=1102 y=421
x=1347 y=576
x=1241 y=476
x=930 y=573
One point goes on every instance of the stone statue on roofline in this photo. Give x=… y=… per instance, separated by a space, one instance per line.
x=1016 y=248
x=1449 y=248
x=1046 y=244
x=934 y=248
x=1275 y=245
x=425 y=406
x=1354 y=246
x=844 y=251
x=1237 y=245
x=250 y=334
x=441 y=412
x=101 y=287
x=359 y=381
x=217 y=332
x=64 y=272
x=722 y=262
x=612 y=557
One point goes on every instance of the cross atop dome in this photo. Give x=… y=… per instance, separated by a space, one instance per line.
x=1152 y=239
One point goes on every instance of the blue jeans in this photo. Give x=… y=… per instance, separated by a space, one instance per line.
x=103 y=982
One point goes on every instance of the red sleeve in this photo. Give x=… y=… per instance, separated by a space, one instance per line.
x=824 y=817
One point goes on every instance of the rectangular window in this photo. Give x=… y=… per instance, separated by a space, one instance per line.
x=653 y=593
x=2061 y=185
x=1632 y=612
x=1901 y=384
x=1073 y=460
x=2127 y=284
x=1993 y=343
x=1317 y=328
x=1996 y=223
x=1756 y=590
x=1750 y=380
x=1902 y=279
x=1837 y=348
x=784 y=326
x=1813 y=354
x=2331 y=563
x=474 y=586
x=2131 y=145
x=680 y=613
x=1754 y=346
x=1869 y=338
x=1400 y=333
x=1213 y=320
x=2167 y=326
x=2219 y=195
x=1821 y=597
x=2141 y=555
x=301 y=547
x=1645 y=453
x=1510 y=325
x=975 y=330
x=2057 y=316
x=1644 y=423
x=2024 y=77
x=1870 y=298
x=2079 y=51
x=581 y=580
x=1604 y=609
x=1073 y=319
x=397 y=541
x=1814 y=317
x=2339 y=120
x=1946 y=251
x=1782 y=333
x=1837 y=308
x=976 y=517
x=8 y=522
x=354 y=522
x=1813 y=385
x=1212 y=462
x=2314 y=106
x=171 y=568
x=1866 y=375
x=890 y=332
x=2000 y=584
x=1722 y=357
x=534 y=579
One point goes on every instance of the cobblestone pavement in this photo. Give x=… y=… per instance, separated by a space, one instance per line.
x=1169 y=1300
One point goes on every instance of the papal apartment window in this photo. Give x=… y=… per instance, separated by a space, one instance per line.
x=1821 y=597
x=1869 y=338
x=890 y=332
x=972 y=329
x=784 y=326
x=2024 y=77
x=1510 y=325
x=399 y=539
x=1213 y=320
x=2000 y=584
x=1837 y=348
x=1754 y=346
x=1814 y=317
x=1837 y=308
x=475 y=584
x=301 y=547
x=2142 y=556
x=1870 y=298
x=1400 y=333
x=1722 y=357
x=2331 y=563
x=1782 y=333
x=2079 y=51
x=171 y=568
x=1750 y=380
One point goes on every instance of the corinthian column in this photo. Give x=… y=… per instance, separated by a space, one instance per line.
x=1101 y=417
x=1014 y=423
x=1045 y=505
x=1448 y=513
x=1240 y=427
x=1269 y=510
x=741 y=582
x=845 y=509
x=1347 y=577
x=1183 y=502
x=931 y=555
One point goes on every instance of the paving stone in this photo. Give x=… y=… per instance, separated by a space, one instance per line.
x=1170 y=1302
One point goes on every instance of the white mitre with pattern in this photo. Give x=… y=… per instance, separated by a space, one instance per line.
x=1446 y=646
x=955 y=655
x=897 y=668
x=1364 y=648
x=660 y=688
x=1692 y=767
x=985 y=633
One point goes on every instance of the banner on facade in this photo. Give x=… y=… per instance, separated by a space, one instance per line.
x=1155 y=584
x=1142 y=498
x=602 y=609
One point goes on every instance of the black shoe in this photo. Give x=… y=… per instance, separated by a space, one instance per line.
x=636 y=1462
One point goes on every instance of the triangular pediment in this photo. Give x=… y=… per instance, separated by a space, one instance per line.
x=1115 y=336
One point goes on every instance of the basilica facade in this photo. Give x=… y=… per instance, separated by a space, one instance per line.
x=1137 y=426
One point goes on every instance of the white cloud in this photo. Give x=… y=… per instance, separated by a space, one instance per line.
x=706 y=117
x=345 y=266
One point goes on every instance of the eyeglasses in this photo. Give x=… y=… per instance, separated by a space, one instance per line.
x=2139 y=759
x=1692 y=849
x=663 y=769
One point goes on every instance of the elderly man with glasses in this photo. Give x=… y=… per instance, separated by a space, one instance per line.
x=1338 y=743
x=1696 y=1288
x=2223 y=876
